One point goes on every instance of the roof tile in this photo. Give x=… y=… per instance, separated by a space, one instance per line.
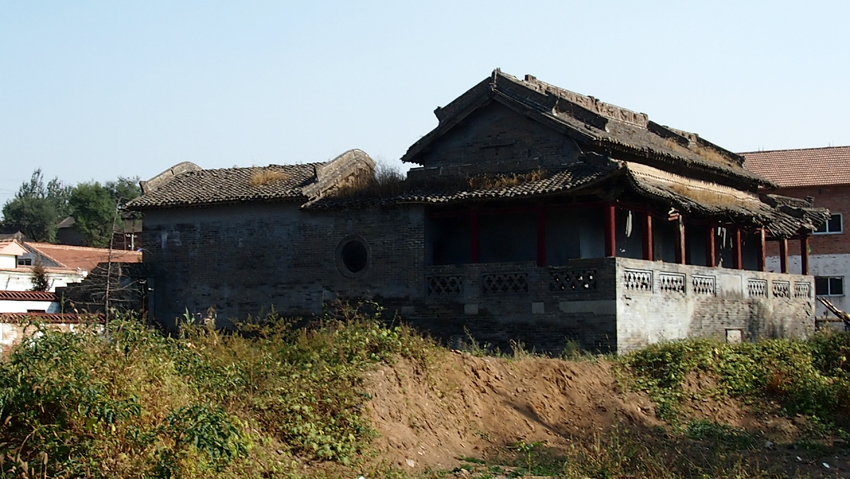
x=274 y=182
x=802 y=167
x=27 y=296
x=84 y=258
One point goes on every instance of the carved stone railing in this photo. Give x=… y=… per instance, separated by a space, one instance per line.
x=591 y=280
x=504 y=283
x=444 y=285
x=781 y=289
x=757 y=288
x=704 y=284
x=802 y=290
x=637 y=280
x=572 y=280
x=671 y=282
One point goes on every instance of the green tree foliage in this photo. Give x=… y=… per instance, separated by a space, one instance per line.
x=97 y=208
x=37 y=208
x=122 y=191
x=94 y=209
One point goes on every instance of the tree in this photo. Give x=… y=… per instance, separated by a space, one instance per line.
x=40 y=281
x=94 y=211
x=124 y=190
x=36 y=209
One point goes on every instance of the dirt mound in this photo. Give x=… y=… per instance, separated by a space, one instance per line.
x=469 y=405
x=466 y=406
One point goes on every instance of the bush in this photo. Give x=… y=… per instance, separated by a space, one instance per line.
x=808 y=377
x=203 y=402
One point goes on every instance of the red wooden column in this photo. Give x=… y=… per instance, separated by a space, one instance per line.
x=710 y=255
x=762 y=251
x=737 y=254
x=475 y=233
x=783 y=255
x=648 y=247
x=610 y=227
x=541 y=237
x=681 y=255
x=804 y=253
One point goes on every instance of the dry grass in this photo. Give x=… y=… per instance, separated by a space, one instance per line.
x=265 y=176
x=706 y=153
x=387 y=181
x=492 y=182
x=705 y=196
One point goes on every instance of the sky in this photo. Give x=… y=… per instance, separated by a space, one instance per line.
x=93 y=91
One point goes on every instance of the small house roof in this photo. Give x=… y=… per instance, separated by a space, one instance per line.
x=50 y=318
x=27 y=296
x=802 y=167
x=81 y=257
x=187 y=186
x=11 y=247
x=599 y=126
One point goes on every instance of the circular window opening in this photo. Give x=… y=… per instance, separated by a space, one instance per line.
x=353 y=257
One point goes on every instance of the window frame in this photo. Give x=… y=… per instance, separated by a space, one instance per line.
x=830 y=220
x=340 y=260
x=828 y=285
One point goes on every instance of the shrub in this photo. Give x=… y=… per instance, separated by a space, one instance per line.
x=199 y=403
x=808 y=377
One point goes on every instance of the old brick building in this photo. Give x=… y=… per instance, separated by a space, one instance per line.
x=822 y=174
x=535 y=214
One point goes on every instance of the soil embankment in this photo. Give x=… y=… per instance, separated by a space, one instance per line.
x=469 y=406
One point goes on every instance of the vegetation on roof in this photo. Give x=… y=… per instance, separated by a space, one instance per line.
x=267 y=176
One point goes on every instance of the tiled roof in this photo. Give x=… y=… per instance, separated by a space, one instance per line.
x=73 y=257
x=596 y=125
x=11 y=247
x=27 y=296
x=781 y=217
x=227 y=185
x=50 y=318
x=803 y=167
x=575 y=176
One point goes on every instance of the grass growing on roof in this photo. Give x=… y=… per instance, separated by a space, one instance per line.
x=265 y=176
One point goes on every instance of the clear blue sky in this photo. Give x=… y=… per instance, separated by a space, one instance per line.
x=97 y=90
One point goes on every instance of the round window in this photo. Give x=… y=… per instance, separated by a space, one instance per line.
x=352 y=256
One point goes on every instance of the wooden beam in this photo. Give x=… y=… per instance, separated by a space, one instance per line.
x=648 y=247
x=710 y=254
x=737 y=258
x=681 y=254
x=783 y=255
x=804 y=253
x=610 y=231
x=762 y=251
x=541 y=236
x=475 y=230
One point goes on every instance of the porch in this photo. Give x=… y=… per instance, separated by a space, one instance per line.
x=615 y=304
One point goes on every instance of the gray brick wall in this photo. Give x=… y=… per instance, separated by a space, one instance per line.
x=497 y=139
x=245 y=259
x=242 y=260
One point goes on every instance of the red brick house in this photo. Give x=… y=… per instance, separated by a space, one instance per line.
x=822 y=174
